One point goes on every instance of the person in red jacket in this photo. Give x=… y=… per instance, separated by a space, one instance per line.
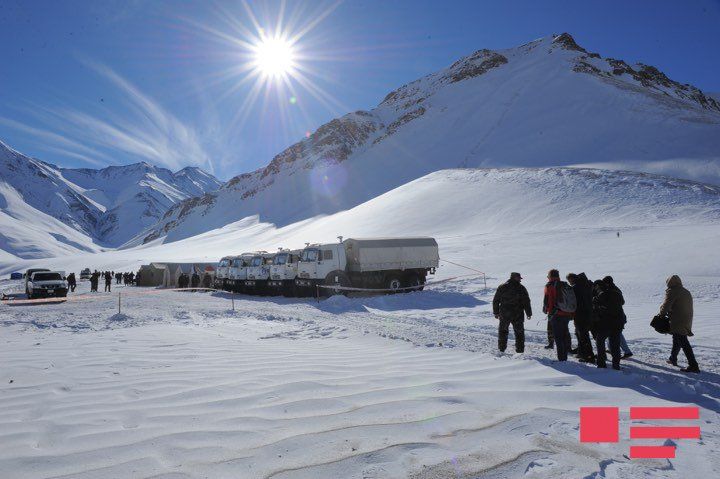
x=557 y=318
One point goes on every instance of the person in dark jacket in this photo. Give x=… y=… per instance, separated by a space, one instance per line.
x=118 y=278
x=678 y=308
x=94 y=280
x=207 y=280
x=108 y=281
x=72 y=282
x=582 y=287
x=609 y=322
x=623 y=342
x=557 y=318
x=195 y=280
x=510 y=305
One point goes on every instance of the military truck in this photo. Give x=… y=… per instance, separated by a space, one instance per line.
x=258 y=273
x=283 y=272
x=388 y=264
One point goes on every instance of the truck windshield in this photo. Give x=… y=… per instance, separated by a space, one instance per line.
x=237 y=263
x=224 y=263
x=280 y=259
x=47 y=277
x=257 y=261
x=309 y=255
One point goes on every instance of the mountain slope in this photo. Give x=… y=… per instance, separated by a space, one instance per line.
x=467 y=206
x=548 y=102
x=85 y=206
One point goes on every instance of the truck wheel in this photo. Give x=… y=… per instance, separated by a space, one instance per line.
x=335 y=278
x=414 y=281
x=393 y=282
x=289 y=290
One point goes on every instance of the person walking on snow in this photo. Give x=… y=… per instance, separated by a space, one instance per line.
x=582 y=287
x=108 y=281
x=555 y=290
x=94 y=280
x=510 y=305
x=72 y=282
x=627 y=353
x=609 y=322
x=678 y=308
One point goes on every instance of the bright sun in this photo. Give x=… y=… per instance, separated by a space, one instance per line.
x=274 y=57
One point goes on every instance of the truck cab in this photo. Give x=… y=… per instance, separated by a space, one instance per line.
x=320 y=263
x=221 y=274
x=373 y=264
x=258 y=272
x=46 y=283
x=283 y=271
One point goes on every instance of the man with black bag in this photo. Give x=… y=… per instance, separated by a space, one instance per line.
x=678 y=309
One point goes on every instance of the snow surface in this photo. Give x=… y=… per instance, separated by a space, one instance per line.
x=411 y=385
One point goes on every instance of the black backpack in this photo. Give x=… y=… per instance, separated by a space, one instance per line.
x=661 y=324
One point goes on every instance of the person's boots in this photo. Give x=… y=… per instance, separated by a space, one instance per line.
x=691 y=369
x=550 y=345
x=672 y=361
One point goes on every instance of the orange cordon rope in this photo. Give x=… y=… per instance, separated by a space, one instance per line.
x=463 y=266
x=91 y=296
x=380 y=290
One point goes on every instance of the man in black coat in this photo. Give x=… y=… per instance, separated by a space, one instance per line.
x=94 y=280
x=609 y=322
x=108 y=280
x=72 y=282
x=510 y=305
x=582 y=287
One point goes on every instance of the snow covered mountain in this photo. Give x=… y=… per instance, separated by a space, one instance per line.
x=136 y=196
x=47 y=210
x=548 y=102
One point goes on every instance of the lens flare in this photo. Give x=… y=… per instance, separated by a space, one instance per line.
x=274 y=57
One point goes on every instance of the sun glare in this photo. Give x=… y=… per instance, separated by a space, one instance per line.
x=274 y=57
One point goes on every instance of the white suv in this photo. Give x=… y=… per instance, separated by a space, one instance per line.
x=46 y=284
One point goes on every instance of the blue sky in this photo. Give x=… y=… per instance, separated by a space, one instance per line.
x=93 y=83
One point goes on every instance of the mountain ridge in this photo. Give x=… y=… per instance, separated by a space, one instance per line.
x=104 y=206
x=489 y=108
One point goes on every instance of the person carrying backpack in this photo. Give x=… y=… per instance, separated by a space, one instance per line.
x=559 y=304
x=510 y=305
x=678 y=308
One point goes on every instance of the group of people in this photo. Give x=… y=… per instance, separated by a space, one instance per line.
x=107 y=276
x=194 y=281
x=185 y=280
x=596 y=310
x=124 y=278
